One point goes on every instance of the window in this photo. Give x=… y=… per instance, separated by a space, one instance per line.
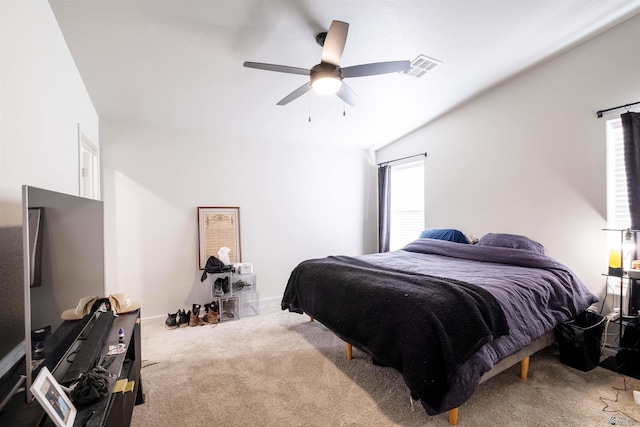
x=88 y=167
x=617 y=200
x=618 y=216
x=407 y=203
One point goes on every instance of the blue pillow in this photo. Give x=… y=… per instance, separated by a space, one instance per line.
x=449 y=234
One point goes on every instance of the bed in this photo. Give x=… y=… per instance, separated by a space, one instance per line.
x=445 y=314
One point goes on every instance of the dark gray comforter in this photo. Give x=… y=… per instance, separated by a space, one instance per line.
x=534 y=292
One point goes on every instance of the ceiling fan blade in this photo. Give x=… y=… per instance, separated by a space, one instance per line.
x=278 y=68
x=295 y=94
x=375 y=68
x=348 y=95
x=334 y=42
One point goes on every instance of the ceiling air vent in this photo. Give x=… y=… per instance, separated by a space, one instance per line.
x=421 y=65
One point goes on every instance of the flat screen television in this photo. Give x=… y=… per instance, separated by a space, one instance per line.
x=63 y=261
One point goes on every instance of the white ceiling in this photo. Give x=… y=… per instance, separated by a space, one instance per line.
x=179 y=62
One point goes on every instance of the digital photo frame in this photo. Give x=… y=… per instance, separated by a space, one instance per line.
x=53 y=399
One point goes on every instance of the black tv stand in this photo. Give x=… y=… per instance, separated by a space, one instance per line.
x=116 y=408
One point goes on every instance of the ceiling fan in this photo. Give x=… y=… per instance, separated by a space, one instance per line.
x=326 y=77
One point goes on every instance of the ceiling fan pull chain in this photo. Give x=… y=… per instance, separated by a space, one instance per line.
x=344 y=109
x=309 y=97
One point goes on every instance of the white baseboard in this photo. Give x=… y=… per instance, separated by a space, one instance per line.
x=270 y=305
x=266 y=305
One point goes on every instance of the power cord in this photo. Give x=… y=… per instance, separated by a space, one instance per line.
x=606 y=294
x=613 y=420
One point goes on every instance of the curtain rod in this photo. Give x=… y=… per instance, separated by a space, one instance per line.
x=599 y=113
x=403 y=158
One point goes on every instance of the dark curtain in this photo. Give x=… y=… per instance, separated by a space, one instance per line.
x=631 y=131
x=384 y=204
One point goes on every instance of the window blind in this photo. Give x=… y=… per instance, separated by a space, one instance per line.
x=618 y=215
x=407 y=203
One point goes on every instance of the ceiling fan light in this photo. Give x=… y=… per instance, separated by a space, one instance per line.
x=326 y=85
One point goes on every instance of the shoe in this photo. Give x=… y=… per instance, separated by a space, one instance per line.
x=211 y=317
x=211 y=312
x=241 y=284
x=217 y=287
x=194 y=318
x=228 y=311
x=171 y=323
x=183 y=318
x=212 y=306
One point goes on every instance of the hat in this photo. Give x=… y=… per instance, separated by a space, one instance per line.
x=83 y=308
x=120 y=303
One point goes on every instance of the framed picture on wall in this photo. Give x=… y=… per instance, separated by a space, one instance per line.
x=218 y=227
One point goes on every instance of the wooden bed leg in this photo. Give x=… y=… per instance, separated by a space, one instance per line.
x=310 y=319
x=524 y=369
x=524 y=373
x=349 y=351
x=453 y=417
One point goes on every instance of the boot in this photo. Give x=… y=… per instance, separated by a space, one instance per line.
x=225 y=285
x=211 y=315
x=217 y=287
x=171 y=323
x=183 y=318
x=194 y=319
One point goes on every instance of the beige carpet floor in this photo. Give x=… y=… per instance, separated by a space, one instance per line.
x=280 y=369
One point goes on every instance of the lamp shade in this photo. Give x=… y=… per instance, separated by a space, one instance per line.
x=615 y=263
x=326 y=79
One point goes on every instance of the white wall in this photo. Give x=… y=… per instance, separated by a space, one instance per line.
x=296 y=202
x=42 y=101
x=528 y=157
